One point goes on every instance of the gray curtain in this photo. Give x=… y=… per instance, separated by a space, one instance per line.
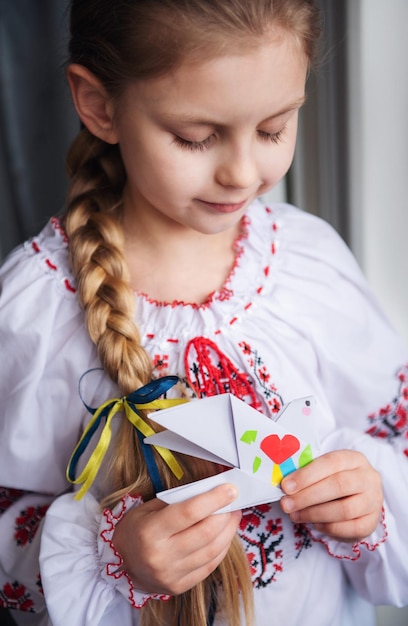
x=37 y=120
x=318 y=180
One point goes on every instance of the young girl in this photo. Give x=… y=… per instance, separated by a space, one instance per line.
x=165 y=263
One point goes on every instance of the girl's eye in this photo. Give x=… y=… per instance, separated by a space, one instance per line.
x=200 y=146
x=193 y=146
x=274 y=137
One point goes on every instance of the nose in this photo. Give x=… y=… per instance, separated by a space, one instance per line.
x=238 y=168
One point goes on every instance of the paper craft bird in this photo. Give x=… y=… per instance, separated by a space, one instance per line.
x=226 y=430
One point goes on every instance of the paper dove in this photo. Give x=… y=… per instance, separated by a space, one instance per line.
x=226 y=430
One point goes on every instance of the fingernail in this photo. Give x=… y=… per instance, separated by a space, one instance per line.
x=232 y=492
x=288 y=505
x=289 y=485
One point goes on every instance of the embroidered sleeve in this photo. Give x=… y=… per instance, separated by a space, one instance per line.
x=377 y=566
x=113 y=571
x=390 y=422
x=81 y=572
x=352 y=551
x=21 y=516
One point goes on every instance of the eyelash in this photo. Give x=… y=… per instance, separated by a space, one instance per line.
x=193 y=146
x=200 y=146
x=273 y=137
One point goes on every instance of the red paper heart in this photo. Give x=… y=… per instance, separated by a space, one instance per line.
x=279 y=449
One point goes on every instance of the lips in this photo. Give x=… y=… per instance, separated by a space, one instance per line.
x=224 y=207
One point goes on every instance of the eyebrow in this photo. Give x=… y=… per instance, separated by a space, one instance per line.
x=297 y=104
x=192 y=120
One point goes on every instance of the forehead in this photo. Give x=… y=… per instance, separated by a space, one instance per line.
x=268 y=76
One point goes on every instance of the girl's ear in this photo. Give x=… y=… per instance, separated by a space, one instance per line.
x=94 y=106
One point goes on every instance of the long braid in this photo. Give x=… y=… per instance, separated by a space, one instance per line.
x=96 y=244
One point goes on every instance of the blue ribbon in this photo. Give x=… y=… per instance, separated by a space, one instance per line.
x=147 y=396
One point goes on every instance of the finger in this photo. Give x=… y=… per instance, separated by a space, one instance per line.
x=322 y=467
x=354 y=531
x=197 y=566
x=190 y=562
x=202 y=543
x=166 y=524
x=190 y=578
x=342 y=510
x=335 y=487
x=183 y=515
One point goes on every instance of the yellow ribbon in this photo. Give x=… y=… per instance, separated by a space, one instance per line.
x=115 y=405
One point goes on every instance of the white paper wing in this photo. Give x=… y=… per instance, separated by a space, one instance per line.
x=251 y=491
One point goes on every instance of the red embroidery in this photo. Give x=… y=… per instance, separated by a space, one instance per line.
x=262 y=536
x=354 y=548
x=209 y=372
x=391 y=421
x=225 y=294
x=303 y=540
x=50 y=265
x=161 y=362
x=15 y=596
x=39 y=585
x=57 y=227
x=114 y=569
x=261 y=374
x=27 y=524
x=8 y=497
x=68 y=286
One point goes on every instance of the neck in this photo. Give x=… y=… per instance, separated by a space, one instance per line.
x=178 y=264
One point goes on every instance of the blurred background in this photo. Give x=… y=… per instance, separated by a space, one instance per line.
x=350 y=166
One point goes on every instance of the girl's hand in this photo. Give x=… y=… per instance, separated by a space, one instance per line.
x=168 y=549
x=339 y=492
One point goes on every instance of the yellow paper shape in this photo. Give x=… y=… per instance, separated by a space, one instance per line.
x=276 y=475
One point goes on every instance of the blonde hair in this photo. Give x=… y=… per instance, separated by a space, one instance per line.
x=118 y=42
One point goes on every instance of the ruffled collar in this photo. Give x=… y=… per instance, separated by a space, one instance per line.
x=255 y=252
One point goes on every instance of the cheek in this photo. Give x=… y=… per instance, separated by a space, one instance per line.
x=162 y=178
x=170 y=162
x=277 y=166
x=283 y=157
x=287 y=157
x=144 y=164
x=183 y=171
